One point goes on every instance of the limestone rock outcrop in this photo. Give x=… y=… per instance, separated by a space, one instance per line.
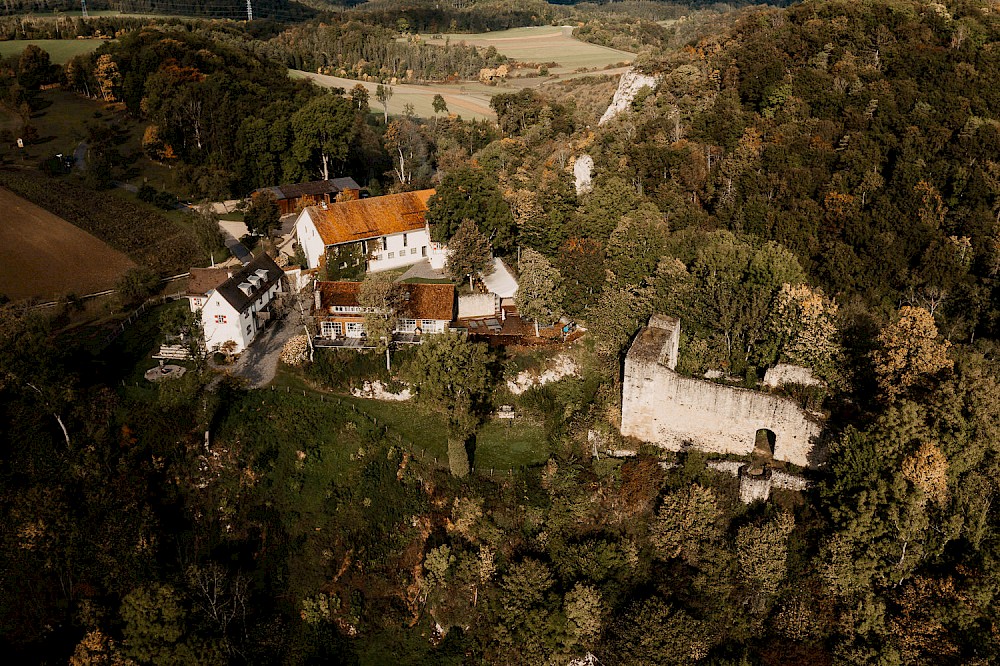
x=583 y=170
x=629 y=86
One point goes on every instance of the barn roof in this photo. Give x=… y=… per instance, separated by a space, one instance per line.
x=266 y=273
x=421 y=301
x=312 y=188
x=363 y=219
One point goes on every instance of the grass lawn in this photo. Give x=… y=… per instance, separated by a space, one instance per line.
x=59 y=50
x=61 y=122
x=500 y=446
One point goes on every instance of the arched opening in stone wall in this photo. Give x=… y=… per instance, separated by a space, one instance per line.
x=764 y=443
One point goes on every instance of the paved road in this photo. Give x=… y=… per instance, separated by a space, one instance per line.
x=232 y=231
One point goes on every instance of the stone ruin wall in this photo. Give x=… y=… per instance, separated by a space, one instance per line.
x=664 y=408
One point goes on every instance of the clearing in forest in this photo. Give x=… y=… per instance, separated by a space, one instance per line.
x=43 y=255
x=543 y=44
x=60 y=50
x=471 y=101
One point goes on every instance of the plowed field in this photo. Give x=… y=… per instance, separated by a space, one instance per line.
x=44 y=255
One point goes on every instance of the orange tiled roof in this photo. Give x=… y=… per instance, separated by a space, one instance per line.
x=425 y=301
x=362 y=219
x=429 y=301
x=338 y=293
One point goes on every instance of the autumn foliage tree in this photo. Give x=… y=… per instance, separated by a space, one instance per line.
x=908 y=351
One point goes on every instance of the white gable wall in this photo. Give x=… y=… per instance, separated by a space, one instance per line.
x=309 y=238
x=240 y=328
x=222 y=323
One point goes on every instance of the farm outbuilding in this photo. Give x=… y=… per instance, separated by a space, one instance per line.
x=292 y=198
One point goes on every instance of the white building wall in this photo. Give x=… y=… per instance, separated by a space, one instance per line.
x=240 y=328
x=309 y=238
x=219 y=331
x=394 y=254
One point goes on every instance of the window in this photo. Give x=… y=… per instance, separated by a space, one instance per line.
x=423 y=251
x=355 y=329
x=404 y=240
x=392 y=254
x=407 y=325
x=248 y=329
x=385 y=243
x=220 y=319
x=413 y=250
x=378 y=257
x=330 y=329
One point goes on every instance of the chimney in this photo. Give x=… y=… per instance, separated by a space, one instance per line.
x=229 y=273
x=318 y=297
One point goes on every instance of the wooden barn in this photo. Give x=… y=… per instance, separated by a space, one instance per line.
x=292 y=198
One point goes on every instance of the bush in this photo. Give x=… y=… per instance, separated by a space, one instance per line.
x=137 y=285
x=146 y=193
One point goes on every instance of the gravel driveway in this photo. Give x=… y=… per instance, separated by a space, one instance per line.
x=259 y=362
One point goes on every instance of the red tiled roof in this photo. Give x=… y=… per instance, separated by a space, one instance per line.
x=423 y=301
x=361 y=219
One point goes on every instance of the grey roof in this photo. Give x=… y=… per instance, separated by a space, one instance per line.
x=230 y=289
x=313 y=188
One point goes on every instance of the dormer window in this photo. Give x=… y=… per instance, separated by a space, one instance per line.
x=254 y=280
x=246 y=288
x=261 y=273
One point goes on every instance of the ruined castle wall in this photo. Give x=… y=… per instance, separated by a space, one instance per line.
x=661 y=407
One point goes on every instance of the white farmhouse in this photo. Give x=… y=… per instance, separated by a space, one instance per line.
x=390 y=230
x=239 y=306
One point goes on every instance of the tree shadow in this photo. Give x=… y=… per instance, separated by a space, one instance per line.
x=470 y=450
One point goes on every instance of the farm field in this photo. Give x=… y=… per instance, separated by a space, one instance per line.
x=471 y=101
x=60 y=50
x=543 y=44
x=43 y=255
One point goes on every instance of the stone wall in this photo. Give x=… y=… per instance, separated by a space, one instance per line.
x=664 y=408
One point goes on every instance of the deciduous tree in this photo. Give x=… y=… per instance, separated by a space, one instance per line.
x=383 y=94
x=381 y=296
x=909 y=351
x=470 y=194
x=687 y=521
x=262 y=214
x=539 y=289
x=323 y=130
x=470 y=253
